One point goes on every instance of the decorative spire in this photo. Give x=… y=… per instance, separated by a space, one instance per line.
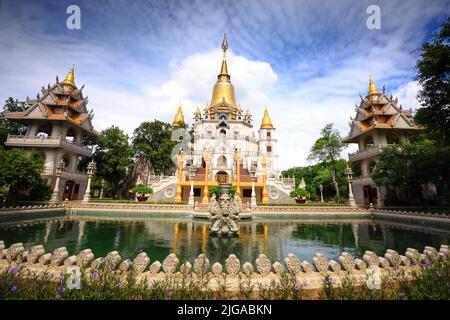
x=224 y=68
x=197 y=111
x=179 y=118
x=223 y=89
x=224 y=45
x=70 y=79
x=372 y=88
x=266 y=123
x=247 y=114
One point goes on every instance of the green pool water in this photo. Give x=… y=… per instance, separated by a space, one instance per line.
x=187 y=238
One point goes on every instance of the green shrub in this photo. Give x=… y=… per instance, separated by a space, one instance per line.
x=299 y=193
x=141 y=189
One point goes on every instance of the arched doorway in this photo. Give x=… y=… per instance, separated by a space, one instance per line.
x=370 y=195
x=222 y=177
x=71 y=190
x=44 y=131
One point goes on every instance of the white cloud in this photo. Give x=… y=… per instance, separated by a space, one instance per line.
x=407 y=95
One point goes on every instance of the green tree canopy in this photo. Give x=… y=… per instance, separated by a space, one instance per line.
x=19 y=170
x=154 y=139
x=434 y=77
x=10 y=127
x=114 y=158
x=327 y=150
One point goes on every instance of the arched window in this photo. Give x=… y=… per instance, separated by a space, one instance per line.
x=222 y=161
x=66 y=160
x=369 y=142
x=372 y=166
x=393 y=139
x=44 y=131
x=70 y=135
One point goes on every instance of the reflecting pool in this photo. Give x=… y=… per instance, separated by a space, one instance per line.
x=187 y=238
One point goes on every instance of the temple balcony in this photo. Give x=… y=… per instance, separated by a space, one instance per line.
x=49 y=142
x=367 y=153
x=67 y=174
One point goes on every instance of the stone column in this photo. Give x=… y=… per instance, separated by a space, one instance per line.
x=191 y=201
x=321 y=193
x=90 y=172
x=102 y=187
x=59 y=170
x=351 y=198
x=253 y=200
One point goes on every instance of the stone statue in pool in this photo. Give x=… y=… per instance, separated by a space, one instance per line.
x=224 y=215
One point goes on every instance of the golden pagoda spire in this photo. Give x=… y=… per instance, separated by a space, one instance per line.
x=266 y=123
x=70 y=79
x=247 y=113
x=223 y=89
x=372 y=87
x=197 y=111
x=179 y=118
x=239 y=108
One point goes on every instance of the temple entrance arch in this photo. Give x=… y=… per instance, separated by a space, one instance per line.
x=222 y=177
x=370 y=195
x=71 y=190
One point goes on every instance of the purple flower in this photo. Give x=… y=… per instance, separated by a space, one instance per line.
x=411 y=264
x=429 y=262
x=94 y=274
x=292 y=277
x=58 y=296
x=401 y=294
x=101 y=259
x=112 y=265
x=13 y=289
x=10 y=283
x=44 y=286
x=305 y=284
x=128 y=260
x=421 y=265
x=51 y=276
x=169 y=294
x=296 y=287
x=438 y=274
x=118 y=285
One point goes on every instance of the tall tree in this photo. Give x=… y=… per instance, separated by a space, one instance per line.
x=114 y=158
x=434 y=77
x=10 y=127
x=19 y=170
x=154 y=139
x=327 y=149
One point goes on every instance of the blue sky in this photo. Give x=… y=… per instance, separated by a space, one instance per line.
x=307 y=60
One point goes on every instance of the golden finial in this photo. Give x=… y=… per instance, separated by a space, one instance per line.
x=179 y=118
x=70 y=79
x=197 y=111
x=224 y=45
x=372 y=87
x=239 y=108
x=206 y=107
x=247 y=114
x=266 y=123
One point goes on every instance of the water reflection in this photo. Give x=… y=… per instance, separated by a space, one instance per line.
x=275 y=238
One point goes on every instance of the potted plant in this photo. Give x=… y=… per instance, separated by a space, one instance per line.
x=141 y=192
x=300 y=195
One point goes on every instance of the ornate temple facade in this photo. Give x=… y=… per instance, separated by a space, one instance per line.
x=226 y=149
x=379 y=122
x=57 y=122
